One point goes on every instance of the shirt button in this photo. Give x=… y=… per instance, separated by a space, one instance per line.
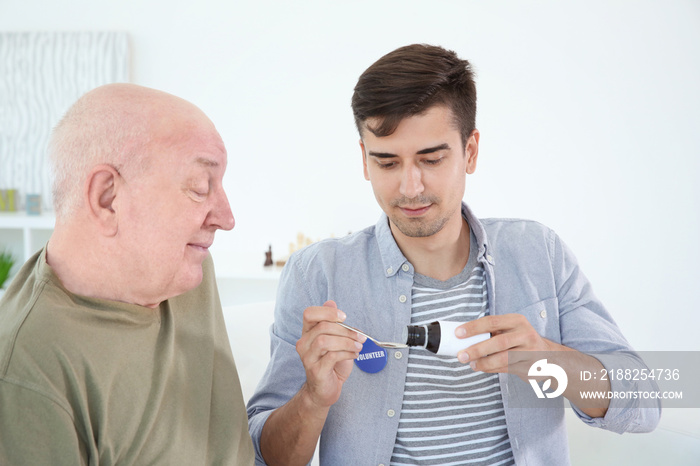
x=398 y=355
x=389 y=271
x=489 y=258
x=402 y=298
x=543 y=313
x=405 y=267
x=391 y=413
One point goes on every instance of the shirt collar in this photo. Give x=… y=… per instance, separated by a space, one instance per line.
x=479 y=234
x=392 y=257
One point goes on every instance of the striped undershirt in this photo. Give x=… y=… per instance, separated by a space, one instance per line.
x=450 y=415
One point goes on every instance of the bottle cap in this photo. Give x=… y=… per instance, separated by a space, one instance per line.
x=415 y=335
x=372 y=358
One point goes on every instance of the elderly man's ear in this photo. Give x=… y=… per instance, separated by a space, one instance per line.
x=102 y=187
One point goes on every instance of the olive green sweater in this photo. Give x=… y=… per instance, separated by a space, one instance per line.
x=90 y=381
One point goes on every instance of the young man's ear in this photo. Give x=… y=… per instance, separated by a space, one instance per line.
x=102 y=185
x=364 y=160
x=471 y=151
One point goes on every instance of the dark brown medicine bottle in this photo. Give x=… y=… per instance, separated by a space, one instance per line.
x=439 y=337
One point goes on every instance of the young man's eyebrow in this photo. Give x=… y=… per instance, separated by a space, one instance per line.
x=427 y=150
x=381 y=155
x=430 y=150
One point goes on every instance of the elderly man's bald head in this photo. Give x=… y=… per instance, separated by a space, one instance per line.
x=139 y=195
x=112 y=124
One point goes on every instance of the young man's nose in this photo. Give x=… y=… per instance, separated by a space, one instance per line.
x=411 y=182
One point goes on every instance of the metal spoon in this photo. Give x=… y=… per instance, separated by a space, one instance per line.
x=383 y=344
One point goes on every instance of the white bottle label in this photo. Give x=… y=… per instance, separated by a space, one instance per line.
x=450 y=345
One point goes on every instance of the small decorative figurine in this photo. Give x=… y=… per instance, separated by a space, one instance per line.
x=268 y=256
x=33 y=204
x=7 y=200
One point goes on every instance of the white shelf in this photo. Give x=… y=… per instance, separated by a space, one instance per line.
x=242 y=264
x=242 y=278
x=29 y=226
x=20 y=220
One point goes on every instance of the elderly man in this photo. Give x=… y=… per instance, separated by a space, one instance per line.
x=113 y=348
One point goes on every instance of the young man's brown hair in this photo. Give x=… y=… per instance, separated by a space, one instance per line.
x=410 y=80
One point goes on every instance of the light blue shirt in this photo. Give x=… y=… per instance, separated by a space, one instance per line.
x=529 y=271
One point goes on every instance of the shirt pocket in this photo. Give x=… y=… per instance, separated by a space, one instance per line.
x=544 y=318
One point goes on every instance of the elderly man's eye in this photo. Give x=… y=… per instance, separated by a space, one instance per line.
x=197 y=194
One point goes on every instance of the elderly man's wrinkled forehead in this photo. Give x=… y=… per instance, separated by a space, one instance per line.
x=155 y=119
x=130 y=104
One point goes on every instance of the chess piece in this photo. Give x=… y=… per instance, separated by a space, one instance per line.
x=268 y=256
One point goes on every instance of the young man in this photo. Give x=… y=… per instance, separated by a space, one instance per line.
x=113 y=348
x=429 y=258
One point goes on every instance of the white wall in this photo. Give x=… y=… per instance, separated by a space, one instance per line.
x=588 y=112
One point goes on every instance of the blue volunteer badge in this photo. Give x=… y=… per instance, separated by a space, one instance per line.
x=372 y=358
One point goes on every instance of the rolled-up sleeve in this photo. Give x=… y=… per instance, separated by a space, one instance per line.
x=588 y=327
